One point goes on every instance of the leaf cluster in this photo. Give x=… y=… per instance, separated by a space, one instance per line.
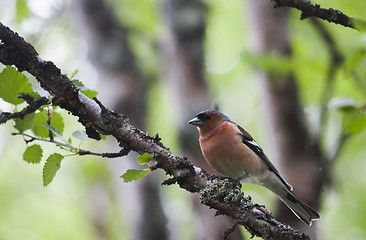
x=45 y=123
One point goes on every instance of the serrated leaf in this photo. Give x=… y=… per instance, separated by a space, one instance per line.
x=56 y=121
x=12 y=84
x=145 y=158
x=33 y=154
x=134 y=174
x=26 y=123
x=52 y=165
x=81 y=135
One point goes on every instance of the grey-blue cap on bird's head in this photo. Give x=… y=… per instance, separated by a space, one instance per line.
x=201 y=117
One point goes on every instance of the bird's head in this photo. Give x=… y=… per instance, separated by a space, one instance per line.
x=208 y=120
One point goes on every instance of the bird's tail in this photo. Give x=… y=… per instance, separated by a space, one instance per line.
x=301 y=209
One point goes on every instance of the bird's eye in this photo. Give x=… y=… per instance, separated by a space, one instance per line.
x=204 y=116
x=201 y=116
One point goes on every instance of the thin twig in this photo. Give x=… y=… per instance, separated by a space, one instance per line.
x=32 y=138
x=79 y=151
x=33 y=106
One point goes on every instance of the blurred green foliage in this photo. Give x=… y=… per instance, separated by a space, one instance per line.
x=58 y=212
x=22 y=11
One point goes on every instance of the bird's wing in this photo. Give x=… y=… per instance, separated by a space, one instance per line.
x=254 y=146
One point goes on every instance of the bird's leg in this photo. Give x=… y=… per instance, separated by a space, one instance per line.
x=237 y=183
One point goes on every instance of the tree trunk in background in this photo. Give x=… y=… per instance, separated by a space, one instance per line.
x=296 y=156
x=183 y=72
x=123 y=87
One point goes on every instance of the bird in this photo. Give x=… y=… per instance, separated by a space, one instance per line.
x=233 y=153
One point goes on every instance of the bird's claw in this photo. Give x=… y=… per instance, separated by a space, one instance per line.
x=236 y=182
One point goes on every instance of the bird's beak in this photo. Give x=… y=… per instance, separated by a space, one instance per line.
x=196 y=121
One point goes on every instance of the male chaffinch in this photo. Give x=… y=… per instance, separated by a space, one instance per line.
x=233 y=153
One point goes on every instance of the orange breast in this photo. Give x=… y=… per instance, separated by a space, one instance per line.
x=228 y=155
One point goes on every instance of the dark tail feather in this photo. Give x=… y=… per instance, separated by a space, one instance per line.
x=301 y=209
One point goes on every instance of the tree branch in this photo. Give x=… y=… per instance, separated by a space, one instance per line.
x=14 y=50
x=314 y=10
x=33 y=106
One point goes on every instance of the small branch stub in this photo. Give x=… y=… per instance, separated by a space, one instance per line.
x=314 y=10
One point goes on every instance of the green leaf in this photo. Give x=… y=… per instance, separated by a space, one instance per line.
x=269 y=62
x=26 y=123
x=33 y=154
x=134 y=174
x=73 y=74
x=145 y=158
x=79 y=84
x=22 y=11
x=12 y=84
x=354 y=61
x=51 y=167
x=81 y=135
x=86 y=91
x=90 y=93
x=35 y=95
x=353 y=121
x=353 y=117
x=42 y=131
x=359 y=25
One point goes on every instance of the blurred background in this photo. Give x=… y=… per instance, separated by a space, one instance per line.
x=297 y=86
